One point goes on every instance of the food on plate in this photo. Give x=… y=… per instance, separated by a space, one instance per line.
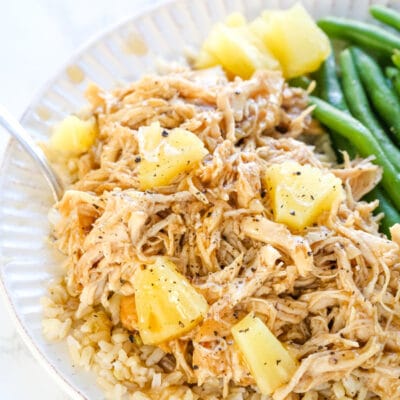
x=215 y=246
x=363 y=140
x=385 y=15
x=361 y=33
x=294 y=39
x=166 y=304
x=300 y=193
x=359 y=106
x=371 y=99
x=269 y=362
x=74 y=135
x=237 y=49
x=390 y=215
x=165 y=154
x=288 y=40
x=381 y=95
x=393 y=74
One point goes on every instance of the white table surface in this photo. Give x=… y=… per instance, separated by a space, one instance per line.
x=36 y=38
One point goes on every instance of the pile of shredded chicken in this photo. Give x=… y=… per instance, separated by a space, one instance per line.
x=330 y=293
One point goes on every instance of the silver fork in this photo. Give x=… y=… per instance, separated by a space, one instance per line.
x=15 y=129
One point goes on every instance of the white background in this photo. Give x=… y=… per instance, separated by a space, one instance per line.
x=36 y=39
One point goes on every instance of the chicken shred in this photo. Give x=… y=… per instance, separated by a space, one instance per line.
x=329 y=293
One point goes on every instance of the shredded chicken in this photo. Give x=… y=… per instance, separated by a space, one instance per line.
x=329 y=293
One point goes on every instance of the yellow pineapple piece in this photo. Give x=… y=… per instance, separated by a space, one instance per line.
x=300 y=193
x=167 y=305
x=233 y=46
x=259 y=28
x=268 y=360
x=236 y=51
x=73 y=135
x=205 y=60
x=165 y=154
x=293 y=38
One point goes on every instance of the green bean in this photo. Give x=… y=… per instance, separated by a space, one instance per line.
x=361 y=33
x=382 y=97
x=301 y=82
x=360 y=108
x=362 y=139
x=391 y=215
x=391 y=72
x=393 y=75
x=396 y=58
x=340 y=144
x=386 y=15
x=330 y=91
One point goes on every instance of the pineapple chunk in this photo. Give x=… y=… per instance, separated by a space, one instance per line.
x=294 y=39
x=259 y=28
x=167 y=305
x=268 y=361
x=237 y=49
x=73 y=135
x=205 y=60
x=165 y=154
x=300 y=193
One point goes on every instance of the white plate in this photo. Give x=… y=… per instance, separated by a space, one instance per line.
x=27 y=262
